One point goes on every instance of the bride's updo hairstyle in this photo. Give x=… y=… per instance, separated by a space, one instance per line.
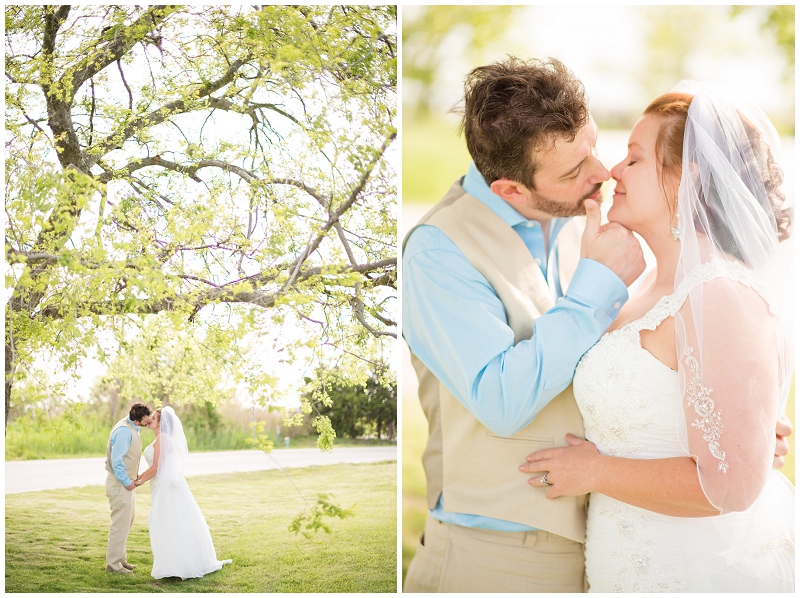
x=672 y=109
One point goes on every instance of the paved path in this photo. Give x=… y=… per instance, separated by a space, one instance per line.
x=51 y=474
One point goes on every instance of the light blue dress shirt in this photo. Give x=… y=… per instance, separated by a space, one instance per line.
x=455 y=323
x=121 y=439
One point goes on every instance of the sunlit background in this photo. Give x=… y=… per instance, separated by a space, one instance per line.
x=626 y=56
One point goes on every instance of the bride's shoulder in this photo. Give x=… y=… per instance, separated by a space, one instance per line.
x=722 y=276
x=730 y=293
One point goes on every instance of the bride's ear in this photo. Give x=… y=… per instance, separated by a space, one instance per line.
x=695 y=170
x=510 y=191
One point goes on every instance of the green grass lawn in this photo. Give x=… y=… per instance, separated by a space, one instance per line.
x=415 y=435
x=56 y=540
x=434 y=156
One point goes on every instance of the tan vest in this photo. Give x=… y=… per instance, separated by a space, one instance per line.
x=477 y=470
x=130 y=459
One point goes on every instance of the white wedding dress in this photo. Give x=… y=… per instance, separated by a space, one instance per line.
x=179 y=536
x=631 y=406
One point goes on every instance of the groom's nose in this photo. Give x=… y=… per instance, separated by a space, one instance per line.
x=599 y=172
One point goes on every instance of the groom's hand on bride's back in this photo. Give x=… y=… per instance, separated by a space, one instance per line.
x=783 y=429
x=612 y=245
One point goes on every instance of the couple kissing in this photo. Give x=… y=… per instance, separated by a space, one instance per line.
x=179 y=536
x=547 y=387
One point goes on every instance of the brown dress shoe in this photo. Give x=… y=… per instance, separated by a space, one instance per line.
x=120 y=570
x=128 y=566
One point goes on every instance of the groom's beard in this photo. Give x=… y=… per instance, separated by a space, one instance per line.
x=560 y=209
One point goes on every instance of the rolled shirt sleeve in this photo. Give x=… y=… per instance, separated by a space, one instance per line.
x=455 y=323
x=120 y=443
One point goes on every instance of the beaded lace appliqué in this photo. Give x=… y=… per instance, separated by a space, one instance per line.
x=710 y=421
x=606 y=379
x=782 y=546
x=640 y=571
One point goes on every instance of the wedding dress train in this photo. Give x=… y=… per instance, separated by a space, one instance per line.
x=179 y=536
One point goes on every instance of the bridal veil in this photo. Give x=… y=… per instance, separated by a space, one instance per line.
x=173 y=451
x=734 y=333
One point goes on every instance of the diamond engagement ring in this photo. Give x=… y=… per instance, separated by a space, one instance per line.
x=544 y=481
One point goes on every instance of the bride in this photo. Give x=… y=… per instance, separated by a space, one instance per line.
x=681 y=396
x=179 y=535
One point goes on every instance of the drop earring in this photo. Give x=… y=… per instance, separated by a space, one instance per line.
x=675 y=230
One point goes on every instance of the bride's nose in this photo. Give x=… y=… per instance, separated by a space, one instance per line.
x=616 y=171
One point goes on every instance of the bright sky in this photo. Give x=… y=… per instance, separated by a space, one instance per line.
x=606 y=47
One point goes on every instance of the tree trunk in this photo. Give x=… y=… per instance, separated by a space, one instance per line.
x=9 y=371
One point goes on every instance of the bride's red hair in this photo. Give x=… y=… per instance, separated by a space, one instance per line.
x=672 y=109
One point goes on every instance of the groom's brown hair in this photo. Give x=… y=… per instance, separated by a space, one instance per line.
x=513 y=108
x=138 y=411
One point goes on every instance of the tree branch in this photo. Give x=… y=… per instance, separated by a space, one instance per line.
x=159 y=115
x=35 y=124
x=92 y=110
x=323 y=201
x=358 y=309
x=345 y=205
x=274 y=108
x=52 y=23
x=195 y=303
x=345 y=243
x=15 y=256
x=124 y=38
x=125 y=83
x=190 y=170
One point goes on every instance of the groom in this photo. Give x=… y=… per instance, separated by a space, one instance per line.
x=502 y=294
x=123 y=453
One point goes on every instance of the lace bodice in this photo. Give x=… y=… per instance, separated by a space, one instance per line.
x=630 y=401
x=626 y=397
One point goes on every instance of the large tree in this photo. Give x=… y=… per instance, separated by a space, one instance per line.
x=224 y=165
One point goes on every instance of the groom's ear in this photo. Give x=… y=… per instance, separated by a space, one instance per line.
x=510 y=191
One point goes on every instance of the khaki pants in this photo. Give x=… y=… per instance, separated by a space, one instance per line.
x=451 y=558
x=123 y=507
